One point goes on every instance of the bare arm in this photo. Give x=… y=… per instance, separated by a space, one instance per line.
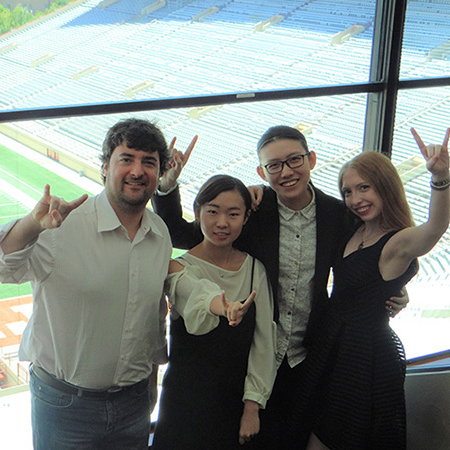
x=50 y=212
x=417 y=241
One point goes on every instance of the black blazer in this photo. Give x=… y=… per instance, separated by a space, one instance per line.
x=260 y=238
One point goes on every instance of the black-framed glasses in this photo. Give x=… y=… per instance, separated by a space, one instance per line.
x=293 y=162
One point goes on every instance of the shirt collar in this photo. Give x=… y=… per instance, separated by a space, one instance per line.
x=107 y=218
x=307 y=212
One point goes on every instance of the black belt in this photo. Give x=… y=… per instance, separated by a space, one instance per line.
x=71 y=389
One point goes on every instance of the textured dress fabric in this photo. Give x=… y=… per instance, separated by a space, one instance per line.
x=355 y=370
x=201 y=401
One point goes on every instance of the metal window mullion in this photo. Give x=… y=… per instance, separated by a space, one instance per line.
x=385 y=68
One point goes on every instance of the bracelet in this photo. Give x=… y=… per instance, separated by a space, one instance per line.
x=440 y=185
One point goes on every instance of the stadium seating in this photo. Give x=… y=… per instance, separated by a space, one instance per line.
x=222 y=53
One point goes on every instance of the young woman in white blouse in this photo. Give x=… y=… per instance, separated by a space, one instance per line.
x=222 y=350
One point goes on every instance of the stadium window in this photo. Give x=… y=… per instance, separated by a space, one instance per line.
x=181 y=48
x=425 y=50
x=227 y=75
x=424 y=325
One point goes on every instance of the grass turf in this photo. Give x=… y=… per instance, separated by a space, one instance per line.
x=30 y=178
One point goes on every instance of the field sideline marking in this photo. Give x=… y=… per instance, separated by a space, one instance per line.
x=21 y=197
x=20 y=181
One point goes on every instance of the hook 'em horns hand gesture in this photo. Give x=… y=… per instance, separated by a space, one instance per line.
x=176 y=164
x=436 y=156
x=51 y=211
x=235 y=311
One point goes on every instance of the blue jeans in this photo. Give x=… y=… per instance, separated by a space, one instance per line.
x=62 y=421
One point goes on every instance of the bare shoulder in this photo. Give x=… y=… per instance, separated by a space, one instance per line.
x=175 y=266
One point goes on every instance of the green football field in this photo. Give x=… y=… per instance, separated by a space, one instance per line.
x=21 y=186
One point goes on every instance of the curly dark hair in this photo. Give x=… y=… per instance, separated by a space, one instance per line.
x=137 y=134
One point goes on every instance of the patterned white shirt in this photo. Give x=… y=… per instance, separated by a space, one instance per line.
x=295 y=283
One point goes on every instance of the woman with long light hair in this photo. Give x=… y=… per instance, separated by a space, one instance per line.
x=356 y=367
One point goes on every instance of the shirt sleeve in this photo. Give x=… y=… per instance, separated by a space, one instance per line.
x=184 y=234
x=191 y=296
x=34 y=262
x=262 y=367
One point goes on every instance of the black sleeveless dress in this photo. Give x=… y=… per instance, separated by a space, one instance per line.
x=201 y=401
x=355 y=370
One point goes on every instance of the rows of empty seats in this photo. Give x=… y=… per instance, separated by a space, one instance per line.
x=221 y=53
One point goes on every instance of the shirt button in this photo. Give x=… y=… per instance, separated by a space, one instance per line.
x=297 y=235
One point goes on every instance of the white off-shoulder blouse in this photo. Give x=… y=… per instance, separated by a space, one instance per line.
x=190 y=293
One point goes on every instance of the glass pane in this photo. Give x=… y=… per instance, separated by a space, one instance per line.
x=92 y=53
x=65 y=154
x=423 y=326
x=228 y=134
x=426 y=44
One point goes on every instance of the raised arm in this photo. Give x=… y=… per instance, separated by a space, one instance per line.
x=423 y=238
x=417 y=241
x=50 y=212
x=179 y=159
x=168 y=205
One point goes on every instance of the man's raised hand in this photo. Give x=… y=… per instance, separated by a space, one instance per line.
x=51 y=211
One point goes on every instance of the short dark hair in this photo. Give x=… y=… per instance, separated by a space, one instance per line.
x=137 y=134
x=279 y=132
x=218 y=184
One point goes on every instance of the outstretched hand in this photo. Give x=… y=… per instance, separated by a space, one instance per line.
x=176 y=164
x=436 y=156
x=51 y=211
x=235 y=311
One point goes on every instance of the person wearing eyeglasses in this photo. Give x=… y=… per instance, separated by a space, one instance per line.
x=295 y=232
